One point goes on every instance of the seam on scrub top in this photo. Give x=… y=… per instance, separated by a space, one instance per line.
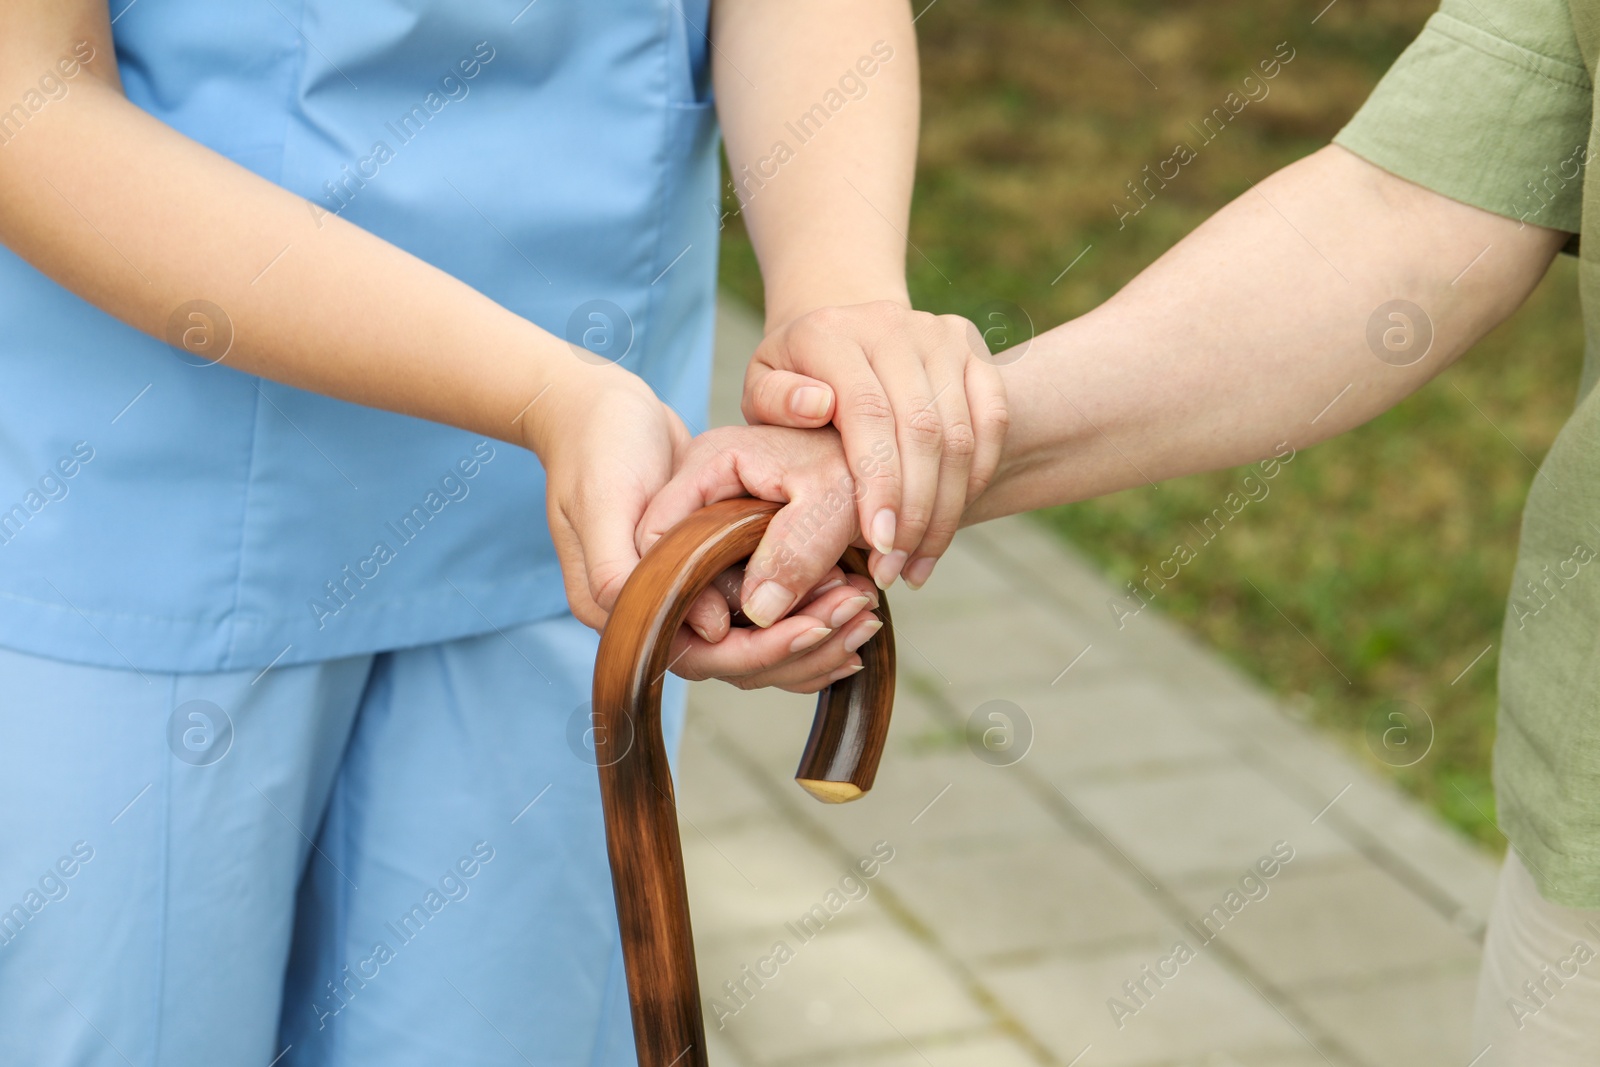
x=230 y=621
x=672 y=113
x=291 y=107
x=291 y=93
x=662 y=146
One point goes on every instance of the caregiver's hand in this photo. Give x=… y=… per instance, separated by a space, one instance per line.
x=806 y=471
x=921 y=413
x=609 y=445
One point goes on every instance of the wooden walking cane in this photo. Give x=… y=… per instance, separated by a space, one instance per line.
x=839 y=763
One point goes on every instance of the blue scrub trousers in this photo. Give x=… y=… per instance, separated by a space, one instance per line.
x=390 y=859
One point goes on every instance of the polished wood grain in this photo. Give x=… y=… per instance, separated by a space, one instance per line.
x=838 y=764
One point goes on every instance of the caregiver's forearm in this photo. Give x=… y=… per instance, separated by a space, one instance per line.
x=138 y=220
x=818 y=104
x=1253 y=332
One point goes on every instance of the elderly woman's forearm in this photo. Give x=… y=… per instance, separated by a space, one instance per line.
x=1314 y=302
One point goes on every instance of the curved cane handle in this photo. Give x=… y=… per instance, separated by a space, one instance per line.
x=839 y=763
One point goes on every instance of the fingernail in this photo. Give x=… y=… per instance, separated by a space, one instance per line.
x=809 y=402
x=888 y=569
x=703 y=635
x=883 y=531
x=917 y=571
x=848 y=610
x=862 y=634
x=827 y=586
x=810 y=639
x=768 y=604
x=844 y=672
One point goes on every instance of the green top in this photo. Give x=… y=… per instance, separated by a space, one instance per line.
x=1492 y=105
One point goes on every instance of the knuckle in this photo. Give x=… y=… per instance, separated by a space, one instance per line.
x=960 y=442
x=994 y=414
x=758 y=398
x=940 y=532
x=828 y=320
x=870 y=405
x=914 y=520
x=887 y=310
x=605 y=583
x=715 y=441
x=954 y=325
x=760 y=366
x=924 y=428
x=956 y=337
x=881 y=479
x=748 y=409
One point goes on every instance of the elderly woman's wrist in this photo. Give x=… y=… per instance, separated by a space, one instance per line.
x=1045 y=436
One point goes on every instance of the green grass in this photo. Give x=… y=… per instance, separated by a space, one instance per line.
x=1390 y=549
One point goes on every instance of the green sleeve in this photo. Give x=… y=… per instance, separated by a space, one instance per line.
x=1490 y=105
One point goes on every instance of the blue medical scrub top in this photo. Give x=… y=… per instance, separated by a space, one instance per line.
x=560 y=157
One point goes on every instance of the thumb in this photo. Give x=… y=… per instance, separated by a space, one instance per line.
x=784 y=398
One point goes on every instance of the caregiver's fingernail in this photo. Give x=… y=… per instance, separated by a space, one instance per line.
x=862 y=634
x=768 y=604
x=704 y=636
x=810 y=402
x=810 y=639
x=917 y=571
x=883 y=530
x=888 y=569
x=848 y=610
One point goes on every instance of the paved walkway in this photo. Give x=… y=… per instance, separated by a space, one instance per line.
x=1023 y=902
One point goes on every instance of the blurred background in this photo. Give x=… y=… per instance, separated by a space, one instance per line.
x=1391 y=548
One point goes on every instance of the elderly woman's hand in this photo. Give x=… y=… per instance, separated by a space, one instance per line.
x=791 y=576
